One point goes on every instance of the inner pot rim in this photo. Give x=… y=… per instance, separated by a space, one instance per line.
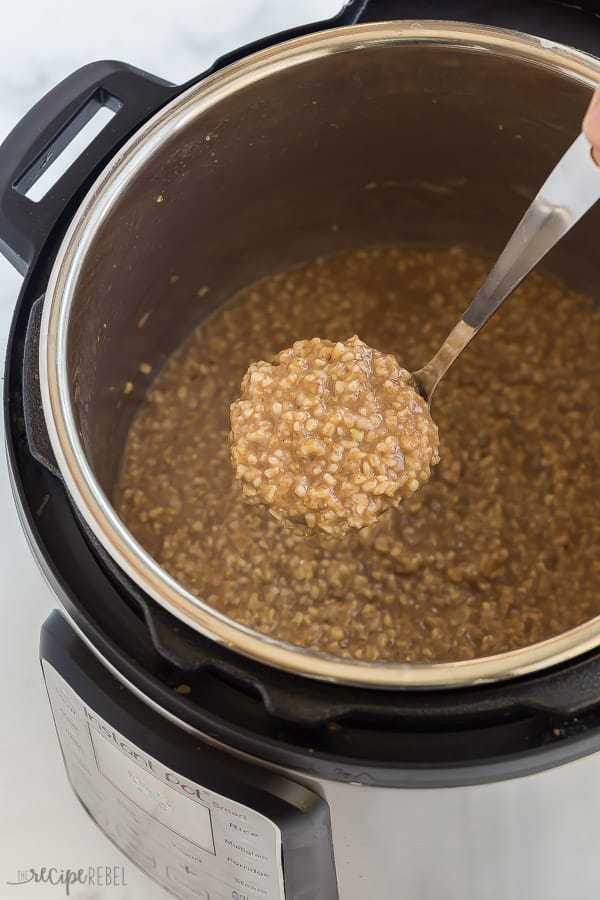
x=83 y=488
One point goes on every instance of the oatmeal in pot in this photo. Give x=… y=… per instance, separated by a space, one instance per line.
x=499 y=550
x=331 y=435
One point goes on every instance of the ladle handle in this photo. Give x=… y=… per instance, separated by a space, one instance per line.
x=570 y=191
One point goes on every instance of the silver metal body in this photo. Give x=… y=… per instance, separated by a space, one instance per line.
x=569 y=192
x=530 y=838
x=313 y=146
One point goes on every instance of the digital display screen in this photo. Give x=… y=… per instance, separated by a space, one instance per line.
x=172 y=808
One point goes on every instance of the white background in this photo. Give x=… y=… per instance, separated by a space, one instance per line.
x=41 y=822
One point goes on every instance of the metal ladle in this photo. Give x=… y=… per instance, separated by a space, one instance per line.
x=571 y=190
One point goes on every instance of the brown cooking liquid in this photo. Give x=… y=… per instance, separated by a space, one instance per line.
x=499 y=549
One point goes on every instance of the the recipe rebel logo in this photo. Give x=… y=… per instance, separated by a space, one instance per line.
x=90 y=876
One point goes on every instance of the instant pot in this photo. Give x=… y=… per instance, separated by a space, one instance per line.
x=228 y=765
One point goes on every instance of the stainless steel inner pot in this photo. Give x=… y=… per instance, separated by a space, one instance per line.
x=264 y=165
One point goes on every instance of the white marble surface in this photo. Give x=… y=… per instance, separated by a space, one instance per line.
x=41 y=823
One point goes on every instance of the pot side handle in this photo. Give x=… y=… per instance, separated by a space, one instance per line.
x=574 y=23
x=48 y=128
x=38 y=439
x=507 y=14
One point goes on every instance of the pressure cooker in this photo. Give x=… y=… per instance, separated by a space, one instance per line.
x=224 y=763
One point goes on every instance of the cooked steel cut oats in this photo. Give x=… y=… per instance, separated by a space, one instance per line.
x=499 y=550
x=330 y=435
